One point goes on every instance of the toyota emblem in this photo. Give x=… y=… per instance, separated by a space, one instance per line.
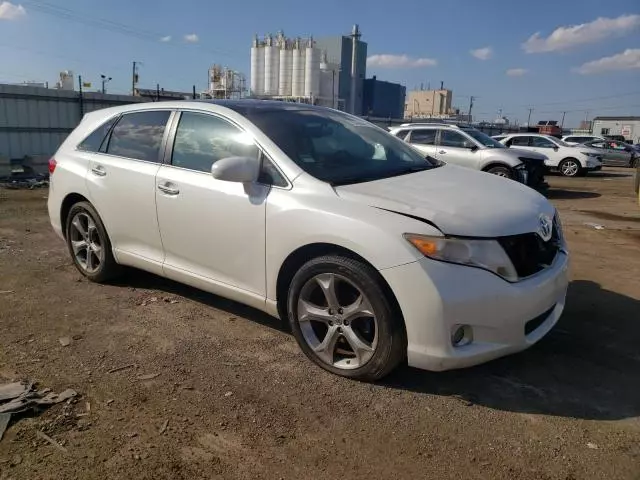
x=545 y=227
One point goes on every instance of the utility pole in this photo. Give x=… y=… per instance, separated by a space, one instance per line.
x=134 y=78
x=529 y=117
x=80 y=97
x=562 y=123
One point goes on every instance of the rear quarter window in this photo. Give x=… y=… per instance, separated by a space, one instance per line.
x=96 y=138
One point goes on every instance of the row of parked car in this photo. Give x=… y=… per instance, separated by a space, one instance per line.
x=520 y=156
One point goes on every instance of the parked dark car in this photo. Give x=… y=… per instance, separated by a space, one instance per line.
x=615 y=153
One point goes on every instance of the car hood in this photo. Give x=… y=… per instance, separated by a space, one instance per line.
x=519 y=152
x=459 y=201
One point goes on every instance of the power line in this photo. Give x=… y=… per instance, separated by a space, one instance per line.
x=105 y=24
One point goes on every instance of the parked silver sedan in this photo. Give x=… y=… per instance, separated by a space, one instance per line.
x=616 y=153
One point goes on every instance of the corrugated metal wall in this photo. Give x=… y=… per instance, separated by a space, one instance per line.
x=34 y=121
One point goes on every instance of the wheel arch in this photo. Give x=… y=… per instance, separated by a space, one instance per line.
x=69 y=201
x=495 y=163
x=303 y=254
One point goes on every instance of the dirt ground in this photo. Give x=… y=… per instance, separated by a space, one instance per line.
x=242 y=402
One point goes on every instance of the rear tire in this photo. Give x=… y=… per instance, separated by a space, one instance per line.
x=501 y=172
x=570 y=167
x=89 y=244
x=343 y=319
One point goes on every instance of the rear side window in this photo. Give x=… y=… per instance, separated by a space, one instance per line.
x=402 y=134
x=93 y=142
x=519 y=141
x=424 y=136
x=201 y=140
x=139 y=135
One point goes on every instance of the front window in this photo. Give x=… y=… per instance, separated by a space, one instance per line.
x=542 y=142
x=201 y=140
x=483 y=138
x=338 y=148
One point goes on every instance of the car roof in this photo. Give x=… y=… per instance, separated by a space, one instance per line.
x=243 y=106
x=413 y=126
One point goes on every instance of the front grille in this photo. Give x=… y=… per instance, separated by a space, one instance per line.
x=529 y=253
x=533 y=324
x=535 y=169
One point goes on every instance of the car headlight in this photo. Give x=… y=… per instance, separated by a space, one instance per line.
x=485 y=254
x=589 y=154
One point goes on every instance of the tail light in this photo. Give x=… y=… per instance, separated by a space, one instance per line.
x=52 y=165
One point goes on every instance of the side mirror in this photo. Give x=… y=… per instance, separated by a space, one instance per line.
x=236 y=169
x=555 y=147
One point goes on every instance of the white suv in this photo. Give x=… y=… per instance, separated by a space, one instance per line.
x=571 y=161
x=467 y=147
x=580 y=139
x=371 y=253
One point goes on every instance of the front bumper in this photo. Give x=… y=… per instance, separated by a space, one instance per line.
x=435 y=297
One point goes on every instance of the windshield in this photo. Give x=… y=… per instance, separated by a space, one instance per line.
x=482 y=138
x=338 y=148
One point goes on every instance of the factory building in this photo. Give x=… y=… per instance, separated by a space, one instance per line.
x=320 y=71
x=428 y=103
x=383 y=99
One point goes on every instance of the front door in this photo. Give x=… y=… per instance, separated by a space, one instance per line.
x=121 y=184
x=211 y=229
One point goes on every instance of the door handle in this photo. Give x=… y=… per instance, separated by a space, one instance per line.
x=442 y=151
x=168 y=189
x=98 y=170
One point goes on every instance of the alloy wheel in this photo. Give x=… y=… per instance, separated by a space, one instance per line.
x=570 y=168
x=337 y=321
x=86 y=243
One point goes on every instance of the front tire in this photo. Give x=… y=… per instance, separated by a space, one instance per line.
x=344 y=320
x=570 y=167
x=504 y=172
x=89 y=244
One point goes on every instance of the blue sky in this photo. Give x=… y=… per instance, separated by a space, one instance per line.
x=484 y=49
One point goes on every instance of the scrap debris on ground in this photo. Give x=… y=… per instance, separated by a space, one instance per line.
x=20 y=397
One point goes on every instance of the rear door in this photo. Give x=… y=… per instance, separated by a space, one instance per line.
x=121 y=184
x=423 y=140
x=453 y=147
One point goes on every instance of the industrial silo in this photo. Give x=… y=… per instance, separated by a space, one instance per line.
x=297 y=70
x=257 y=67
x=271 y=67
x=312 y=70
x=286 y=65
